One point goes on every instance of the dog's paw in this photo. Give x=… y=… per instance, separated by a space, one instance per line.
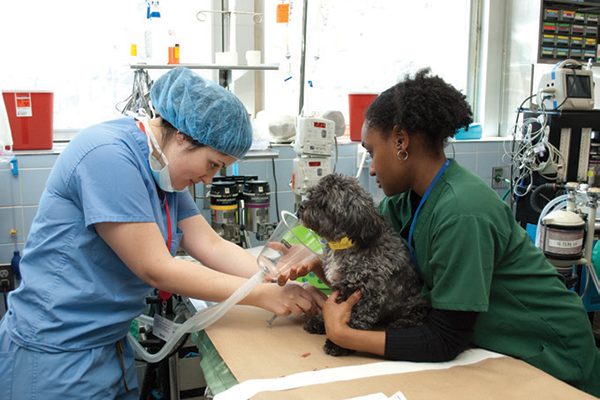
x=315 y=325
x=334 y=350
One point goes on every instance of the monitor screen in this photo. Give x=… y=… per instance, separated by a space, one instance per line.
x=579 y=86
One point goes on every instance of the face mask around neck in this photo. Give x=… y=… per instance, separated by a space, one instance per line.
x=158 y=166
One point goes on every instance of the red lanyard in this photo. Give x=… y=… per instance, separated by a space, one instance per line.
x=161 y=293
x=170 y=234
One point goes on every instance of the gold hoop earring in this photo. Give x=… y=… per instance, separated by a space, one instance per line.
x=404 y=157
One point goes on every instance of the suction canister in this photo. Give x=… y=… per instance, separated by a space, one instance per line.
x=562 y=235
x=224 y=209
x=256 y=197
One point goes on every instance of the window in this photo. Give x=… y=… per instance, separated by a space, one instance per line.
x=80 y=51
x=358 y=46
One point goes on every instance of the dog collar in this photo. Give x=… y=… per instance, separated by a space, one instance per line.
x=342 y=244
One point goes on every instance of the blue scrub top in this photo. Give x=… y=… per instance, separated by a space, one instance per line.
x=75 y=292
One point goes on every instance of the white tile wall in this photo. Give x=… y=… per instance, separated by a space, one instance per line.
x=20 y=195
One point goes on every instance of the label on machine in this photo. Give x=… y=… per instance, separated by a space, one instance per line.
x=566 y=244
x=162 y=327
x=560 y=243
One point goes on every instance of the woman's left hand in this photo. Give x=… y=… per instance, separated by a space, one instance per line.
x=318 y=297
x=337 y=315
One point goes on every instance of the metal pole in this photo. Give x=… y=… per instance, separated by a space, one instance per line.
x=225 y=28
x=531 y=86
x=225 y=74
x=303 y=57
x=173 y=379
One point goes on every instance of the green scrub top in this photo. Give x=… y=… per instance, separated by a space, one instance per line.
x=473 y=256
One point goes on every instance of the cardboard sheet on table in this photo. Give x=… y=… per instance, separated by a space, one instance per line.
x=253 y=350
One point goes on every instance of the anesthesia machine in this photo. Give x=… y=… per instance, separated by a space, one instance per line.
x=238 y=205
x=555 y=155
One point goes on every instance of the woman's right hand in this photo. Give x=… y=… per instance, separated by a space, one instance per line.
x=289 y=299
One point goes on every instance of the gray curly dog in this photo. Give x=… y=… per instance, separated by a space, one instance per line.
x=378 y=263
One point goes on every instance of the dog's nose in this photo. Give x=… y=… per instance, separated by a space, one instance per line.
x=300 y=210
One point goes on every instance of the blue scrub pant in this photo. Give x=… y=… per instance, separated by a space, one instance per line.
x=89 y=374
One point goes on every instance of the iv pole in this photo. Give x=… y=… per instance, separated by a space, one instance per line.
x=303 y=57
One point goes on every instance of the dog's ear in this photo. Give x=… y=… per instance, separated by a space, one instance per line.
x=364 y=222
x=366 y=225
x=314 y=209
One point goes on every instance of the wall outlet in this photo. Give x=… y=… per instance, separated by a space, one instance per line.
x=500 y=175
x=7 y=278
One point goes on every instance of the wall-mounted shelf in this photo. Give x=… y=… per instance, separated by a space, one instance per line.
x=260 y=67
x=224 y=70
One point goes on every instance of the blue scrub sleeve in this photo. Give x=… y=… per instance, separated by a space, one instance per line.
x=186 y=207
x=109 y=187
x=462 y=262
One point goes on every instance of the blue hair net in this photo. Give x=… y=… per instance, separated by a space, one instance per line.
x=203 y=110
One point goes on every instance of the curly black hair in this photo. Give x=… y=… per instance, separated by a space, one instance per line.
x=423 y=105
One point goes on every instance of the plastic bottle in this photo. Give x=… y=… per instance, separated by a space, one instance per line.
x=133 y=54
x=154 y=35
x=148 y=35
x=176 y=54
x=173 y=48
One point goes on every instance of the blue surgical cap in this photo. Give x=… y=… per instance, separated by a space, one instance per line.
x=203 y=110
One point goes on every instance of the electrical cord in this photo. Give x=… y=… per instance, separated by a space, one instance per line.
x=537 y=192
x=140 y=94
x=505 y=195
x=336 y=152
x=587 y=285
x=453 y=150
x=276 y=191
x=519 y=109
x=533 y=154
x=562 y=103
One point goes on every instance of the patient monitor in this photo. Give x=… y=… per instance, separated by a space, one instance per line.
x=567 y=87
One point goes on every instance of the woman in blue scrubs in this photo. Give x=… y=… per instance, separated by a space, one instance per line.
x=112 y=215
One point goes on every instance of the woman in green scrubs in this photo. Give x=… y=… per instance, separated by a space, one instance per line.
x=488 y=285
